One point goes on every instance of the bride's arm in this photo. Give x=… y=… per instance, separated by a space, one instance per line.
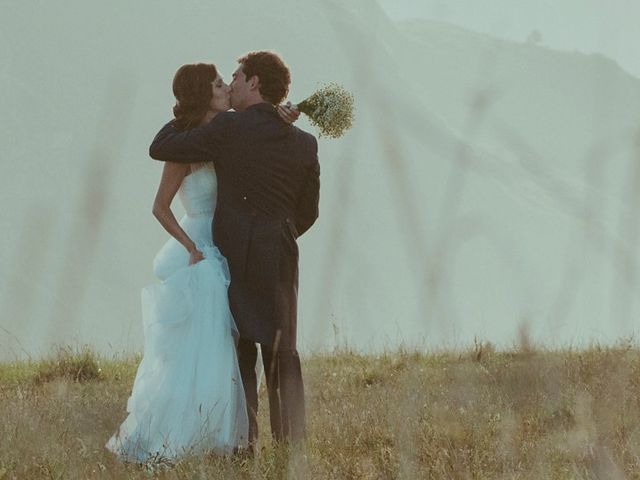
x=172 y=176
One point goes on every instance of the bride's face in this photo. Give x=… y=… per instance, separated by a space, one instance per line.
x=221 y=100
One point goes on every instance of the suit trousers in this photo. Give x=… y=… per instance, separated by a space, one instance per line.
x=284 y=387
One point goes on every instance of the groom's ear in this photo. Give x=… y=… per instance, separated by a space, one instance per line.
x=254 y=82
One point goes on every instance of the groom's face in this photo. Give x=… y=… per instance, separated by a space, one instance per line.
x=239 y=89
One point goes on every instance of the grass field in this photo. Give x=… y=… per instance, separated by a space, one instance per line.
x=481 y=414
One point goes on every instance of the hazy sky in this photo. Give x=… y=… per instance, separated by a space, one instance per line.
x=609 y=27
x=408 y=248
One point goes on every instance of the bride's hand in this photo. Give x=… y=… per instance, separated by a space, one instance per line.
x=289 y=112
x=195 y=256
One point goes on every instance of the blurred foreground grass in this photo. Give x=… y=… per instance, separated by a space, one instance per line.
x=479 y=414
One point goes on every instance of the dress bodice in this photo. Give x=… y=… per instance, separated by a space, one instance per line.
x=199 y=190
x=198 y=193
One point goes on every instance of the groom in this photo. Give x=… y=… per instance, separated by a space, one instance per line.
x=268 y=190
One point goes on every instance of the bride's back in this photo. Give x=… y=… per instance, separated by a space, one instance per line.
x=198 y=195
x=198 y=191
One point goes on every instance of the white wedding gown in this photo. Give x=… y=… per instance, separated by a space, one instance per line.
x=187 y=397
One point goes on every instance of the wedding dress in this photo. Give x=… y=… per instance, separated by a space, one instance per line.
x=187 y=397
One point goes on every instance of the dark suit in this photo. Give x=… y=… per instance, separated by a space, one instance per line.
x=268 y=190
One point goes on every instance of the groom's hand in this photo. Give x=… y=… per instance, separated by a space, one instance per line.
x=289 y=112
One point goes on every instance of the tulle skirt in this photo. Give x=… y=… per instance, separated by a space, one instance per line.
x=187 y=396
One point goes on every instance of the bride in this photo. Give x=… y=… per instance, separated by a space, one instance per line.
x=187 y=397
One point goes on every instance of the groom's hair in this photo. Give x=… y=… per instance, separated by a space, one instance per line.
x=271 y=70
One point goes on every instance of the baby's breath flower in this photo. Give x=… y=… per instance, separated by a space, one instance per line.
x=330 y=109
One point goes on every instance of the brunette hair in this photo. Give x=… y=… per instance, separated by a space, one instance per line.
x=271 y=70
x=192 y=89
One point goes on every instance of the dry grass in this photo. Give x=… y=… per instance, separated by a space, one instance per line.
x=478 y=414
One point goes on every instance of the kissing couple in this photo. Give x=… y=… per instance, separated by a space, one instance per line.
x=249 y=183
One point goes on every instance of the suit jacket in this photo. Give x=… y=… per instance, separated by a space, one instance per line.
x=268 y=192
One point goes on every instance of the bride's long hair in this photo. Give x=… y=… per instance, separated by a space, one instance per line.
x=192 y=89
